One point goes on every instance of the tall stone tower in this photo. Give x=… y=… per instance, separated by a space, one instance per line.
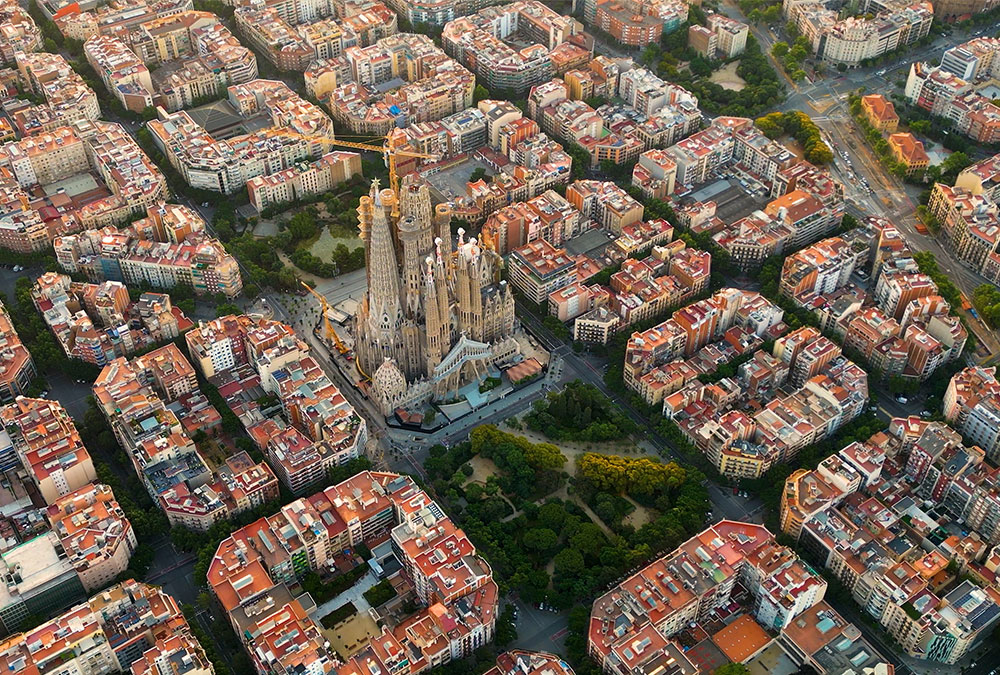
x=378 y=323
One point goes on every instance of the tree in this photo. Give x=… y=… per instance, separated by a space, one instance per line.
x=552 y=515
x=540 y=540
x=568 y=562
x=480 y=93
x=477 y=174
x=779 y=49
x=226 y=309
x=952 y=165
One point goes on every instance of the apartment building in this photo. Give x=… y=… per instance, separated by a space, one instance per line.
x=131 y=179
x=703 y=40
x=193 y=54
x=113 y=18
x=687 y=585
x=730 y=35
x=625 y=25
x=852 y=40
x=478 y=41
x=46 y=158
x=17 y=368
x=20 y=34
x=436 y=85
x=303 y=179
x=538 y=269
x=972 y=403
x=529 y=663
x=974 y=60
x=970 y=225
x=94 y=533
x=821 y=268
x=168 y=247
x=655 y=174
x=94 y=322
x=902 y=584
x=692 y=327
x=944 y=94
x=319 y=428
x=67 y=97
x=982 y=178
x=49 y=447
x=144 y=401
x=129 y=627
x=252 y=579
x=608 y=205
x=226 y=165
x=634 y=15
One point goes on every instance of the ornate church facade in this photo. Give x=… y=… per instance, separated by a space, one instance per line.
x=435 y=317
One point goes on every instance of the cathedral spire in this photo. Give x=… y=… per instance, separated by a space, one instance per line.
x=384 y=311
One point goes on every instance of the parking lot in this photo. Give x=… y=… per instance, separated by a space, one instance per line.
x=540 y=630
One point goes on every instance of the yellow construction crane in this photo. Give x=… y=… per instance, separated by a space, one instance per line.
x=330 y=333
x=390 y=149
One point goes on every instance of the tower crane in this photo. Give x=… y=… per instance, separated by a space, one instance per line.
x=390 y=149
x=328 y=330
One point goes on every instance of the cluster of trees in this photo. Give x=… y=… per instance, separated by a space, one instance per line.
x=217 y=7
x=31 y=328
x=380 y=593
x=209 y=645
x=557 y=327
x=230 y=422
x=895 y=54
x=986 y=300
x=529 y=470
x=639 y=477
x=579 y=412
x=342 y=613
x=800 y=126
x=581 y=159
x=727 y=369
x=791 y=57
x=675 y=516
x=763 y=89
x=308 y=262
x=522 y=546
x=261 y=262
x=758 y=11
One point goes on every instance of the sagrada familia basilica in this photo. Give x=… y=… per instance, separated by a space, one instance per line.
x=435 y=319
